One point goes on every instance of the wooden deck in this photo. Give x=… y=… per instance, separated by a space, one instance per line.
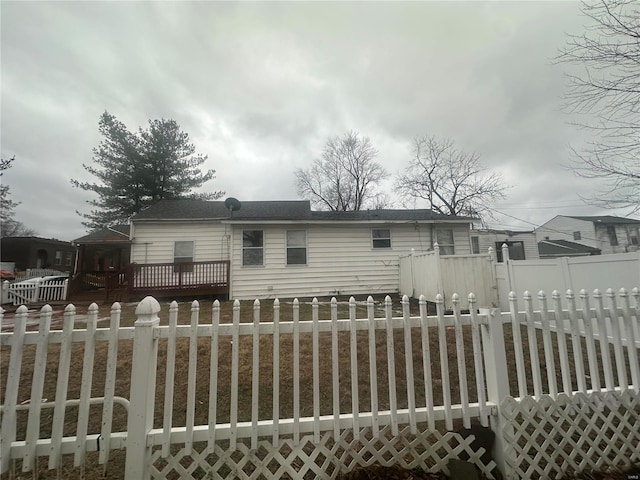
x=158 y=279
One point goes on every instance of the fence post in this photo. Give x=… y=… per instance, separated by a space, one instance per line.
x=36 y=293
x=511 y=280
x=495 y=362
x=143 y=383
x=5 y=292
x=436 y=250
x=413 y=278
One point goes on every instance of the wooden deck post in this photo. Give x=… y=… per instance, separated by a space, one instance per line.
x=143 y=382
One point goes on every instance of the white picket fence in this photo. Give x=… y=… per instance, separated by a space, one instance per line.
x=41 y=291
x=378 y=389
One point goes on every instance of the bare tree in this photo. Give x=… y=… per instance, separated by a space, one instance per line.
x=9 y=227
x=14 y=228
x=452 y=181
x=345 y=178
x=606 y=87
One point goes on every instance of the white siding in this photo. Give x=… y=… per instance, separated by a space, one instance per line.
x=153 y=242
x=562 y=228
x=593 y=235
x=340 y=260
x=622 y=234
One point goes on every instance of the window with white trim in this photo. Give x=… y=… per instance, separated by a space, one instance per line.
x=69 y=259
x=381 y=237
x=183 y=253
x=58 y=257
x=444 y=237
x=252 y=247
x=296 y=247
x=475 y=245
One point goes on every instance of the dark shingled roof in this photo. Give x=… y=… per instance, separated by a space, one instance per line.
x=189 y=209
x=385 y=215
x=565 y=247
x=607 y=220
x=116 y=233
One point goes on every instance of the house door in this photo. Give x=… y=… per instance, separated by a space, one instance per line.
x=41 y=258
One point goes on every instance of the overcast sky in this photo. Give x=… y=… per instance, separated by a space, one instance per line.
x=260 y=86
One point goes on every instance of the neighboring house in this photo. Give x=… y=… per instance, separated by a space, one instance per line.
x=36 y=252
x=606 y=233
x=564 y=248
x=522 y=245
x=283 y=249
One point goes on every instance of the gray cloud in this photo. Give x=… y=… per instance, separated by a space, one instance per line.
x=260 y=86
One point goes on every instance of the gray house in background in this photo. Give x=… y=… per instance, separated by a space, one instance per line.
x=607 y=233
x=36 y=252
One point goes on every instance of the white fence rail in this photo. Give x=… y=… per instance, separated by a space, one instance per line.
x=332 y=388
x=41 y=291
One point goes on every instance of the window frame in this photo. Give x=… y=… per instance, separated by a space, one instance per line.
x=68 y=259
x=253 y=248
x=177 y=260
x=613 y=235
x=58 y=257
x=577 y=235
x=475 y=245
x=444 y=247
x=296 y=247
x=380 y=239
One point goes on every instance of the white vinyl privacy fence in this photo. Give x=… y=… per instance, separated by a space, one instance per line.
x=331 y=389
x=431 y=274
x=620 y=270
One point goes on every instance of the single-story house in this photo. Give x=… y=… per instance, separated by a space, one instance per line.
x=37 y=252
x=281 y=248
x=522 y=244
x=607 y=233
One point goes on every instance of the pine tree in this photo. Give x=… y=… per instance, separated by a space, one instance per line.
x=136 y=170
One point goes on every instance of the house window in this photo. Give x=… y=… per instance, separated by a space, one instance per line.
x=445 y=242
x=516 y=250
x=577 y=236
x=296 y=247
x=632 y=233
x=58 y=257
x=252 y=247
x=68 y=259
x=611 y=233
x=381 y=238
x=183 y=253
x=475 y=245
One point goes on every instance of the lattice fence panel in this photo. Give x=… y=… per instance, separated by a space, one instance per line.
x=551 y=438
x=428 y=450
